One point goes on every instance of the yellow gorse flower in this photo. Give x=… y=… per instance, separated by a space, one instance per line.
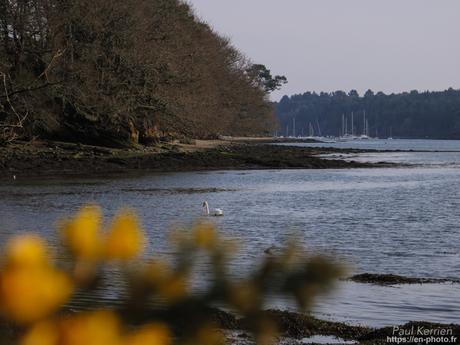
x=125 y=239
x=42 y=333
x=26 y=251
x=30 y=288
x=151 y=334
x=82 y=234
x=95 y=328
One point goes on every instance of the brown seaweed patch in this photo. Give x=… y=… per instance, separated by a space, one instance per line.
x=393 y=279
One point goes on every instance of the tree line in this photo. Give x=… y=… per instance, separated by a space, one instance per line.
x=111 y=72
x=411 y=114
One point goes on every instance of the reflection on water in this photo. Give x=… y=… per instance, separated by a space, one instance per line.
x=382 y=306
x=393 y=220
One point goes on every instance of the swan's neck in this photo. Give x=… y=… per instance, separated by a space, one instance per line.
x=206 y=208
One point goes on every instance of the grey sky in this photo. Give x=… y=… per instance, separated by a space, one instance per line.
x=327 y=45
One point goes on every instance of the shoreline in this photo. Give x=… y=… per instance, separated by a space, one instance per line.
x=51 y=158
x=293 y=327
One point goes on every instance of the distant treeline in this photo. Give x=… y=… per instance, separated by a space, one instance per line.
x=110 y=72
x=406 y=115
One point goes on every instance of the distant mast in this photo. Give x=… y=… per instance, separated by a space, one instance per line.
x=364 y=123
x=352 y=126
x=346 y=125
x=319 y=128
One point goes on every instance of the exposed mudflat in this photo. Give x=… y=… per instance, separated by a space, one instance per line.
x=43 y=158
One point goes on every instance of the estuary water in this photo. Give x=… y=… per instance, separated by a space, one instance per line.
x=403 y=220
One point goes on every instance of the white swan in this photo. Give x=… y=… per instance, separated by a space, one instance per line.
x=215 y=212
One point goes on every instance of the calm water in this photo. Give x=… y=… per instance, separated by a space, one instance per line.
x=392 y=220
x=393 y=144
x=423 y=152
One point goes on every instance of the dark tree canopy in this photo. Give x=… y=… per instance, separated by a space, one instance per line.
x=263 y=78
x=125 y=70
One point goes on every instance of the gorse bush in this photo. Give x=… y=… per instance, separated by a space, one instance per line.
x=160 y=306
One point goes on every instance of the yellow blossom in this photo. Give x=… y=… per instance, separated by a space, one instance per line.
x=152 y=334
x=42 y=333
x=125 y=240
x=95 y=328
x=82 y=233
x=31 y=293
x=30 y=288
x=26 y=250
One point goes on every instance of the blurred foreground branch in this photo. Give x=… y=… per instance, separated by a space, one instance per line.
x=34 y=290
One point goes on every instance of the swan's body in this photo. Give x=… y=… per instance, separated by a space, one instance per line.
x=215 y=212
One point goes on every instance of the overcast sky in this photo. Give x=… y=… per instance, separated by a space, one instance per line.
x=328 y=45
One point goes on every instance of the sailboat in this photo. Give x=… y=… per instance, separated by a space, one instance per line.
x=391 y=134
x=345 y=135
x=311 y=131
x=365 y=135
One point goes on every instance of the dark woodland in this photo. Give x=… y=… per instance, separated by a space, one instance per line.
x=119 y=72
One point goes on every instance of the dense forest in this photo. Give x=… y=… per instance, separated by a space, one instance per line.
x=406 y=115
x=112 y=72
